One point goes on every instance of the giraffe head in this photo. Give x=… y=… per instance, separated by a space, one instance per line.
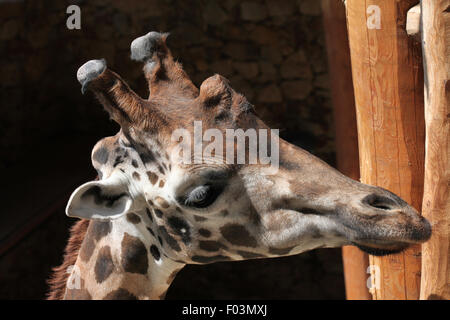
x=203 y=209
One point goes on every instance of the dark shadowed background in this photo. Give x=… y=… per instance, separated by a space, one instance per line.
x=272 y=51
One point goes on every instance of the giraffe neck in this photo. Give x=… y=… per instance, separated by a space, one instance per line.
x=116 y=262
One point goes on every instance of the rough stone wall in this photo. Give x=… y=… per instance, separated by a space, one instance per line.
x=272 y=51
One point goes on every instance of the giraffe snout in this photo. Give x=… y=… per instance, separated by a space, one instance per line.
x=398 y=216
x=383 y=223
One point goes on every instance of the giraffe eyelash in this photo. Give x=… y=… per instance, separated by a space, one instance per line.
x=202 y=196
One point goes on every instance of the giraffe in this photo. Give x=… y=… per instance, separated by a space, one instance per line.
x=147 y=215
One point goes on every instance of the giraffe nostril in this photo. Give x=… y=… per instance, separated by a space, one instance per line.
x=379 y=202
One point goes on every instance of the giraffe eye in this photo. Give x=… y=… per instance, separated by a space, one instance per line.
x=202 y=196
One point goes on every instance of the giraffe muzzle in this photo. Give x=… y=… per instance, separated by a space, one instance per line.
x=382 y=223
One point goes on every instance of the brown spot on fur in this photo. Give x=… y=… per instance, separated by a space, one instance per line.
x=101 y=229
x=238 y=235
x=152 y=177
x=120 y=294
x=210 y=245
x=204 y=232
x=133 y=218
x=169 y=239
x=155 y=252
x=200 y=219
x=136 y=176
x=315 y=232
x=161 y=202
x=180 y=227
x=161 y=183
x=224 y=213
x=134 y=255
x=88 y=246
x=158 y=213
x=151 y=232
x=104 y=265
x=149 y=214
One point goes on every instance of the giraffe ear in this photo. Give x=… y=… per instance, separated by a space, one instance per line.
x=102 y=200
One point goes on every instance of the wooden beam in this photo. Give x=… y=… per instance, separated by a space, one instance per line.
x=333 y=14
x=388 y=84
x=435 y=282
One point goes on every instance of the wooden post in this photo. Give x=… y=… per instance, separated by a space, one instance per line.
x=333 y=13
x=435 y=282
x=388 y=84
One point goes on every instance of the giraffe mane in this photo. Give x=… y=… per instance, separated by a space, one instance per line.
x=58 y=280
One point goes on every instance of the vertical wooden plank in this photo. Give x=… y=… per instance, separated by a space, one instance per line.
x=387 y=79
x=333 y=13
x=436 y=200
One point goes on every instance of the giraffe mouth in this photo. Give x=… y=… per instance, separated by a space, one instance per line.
x=382 y=230
x=388 y=244
x=381 y=251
